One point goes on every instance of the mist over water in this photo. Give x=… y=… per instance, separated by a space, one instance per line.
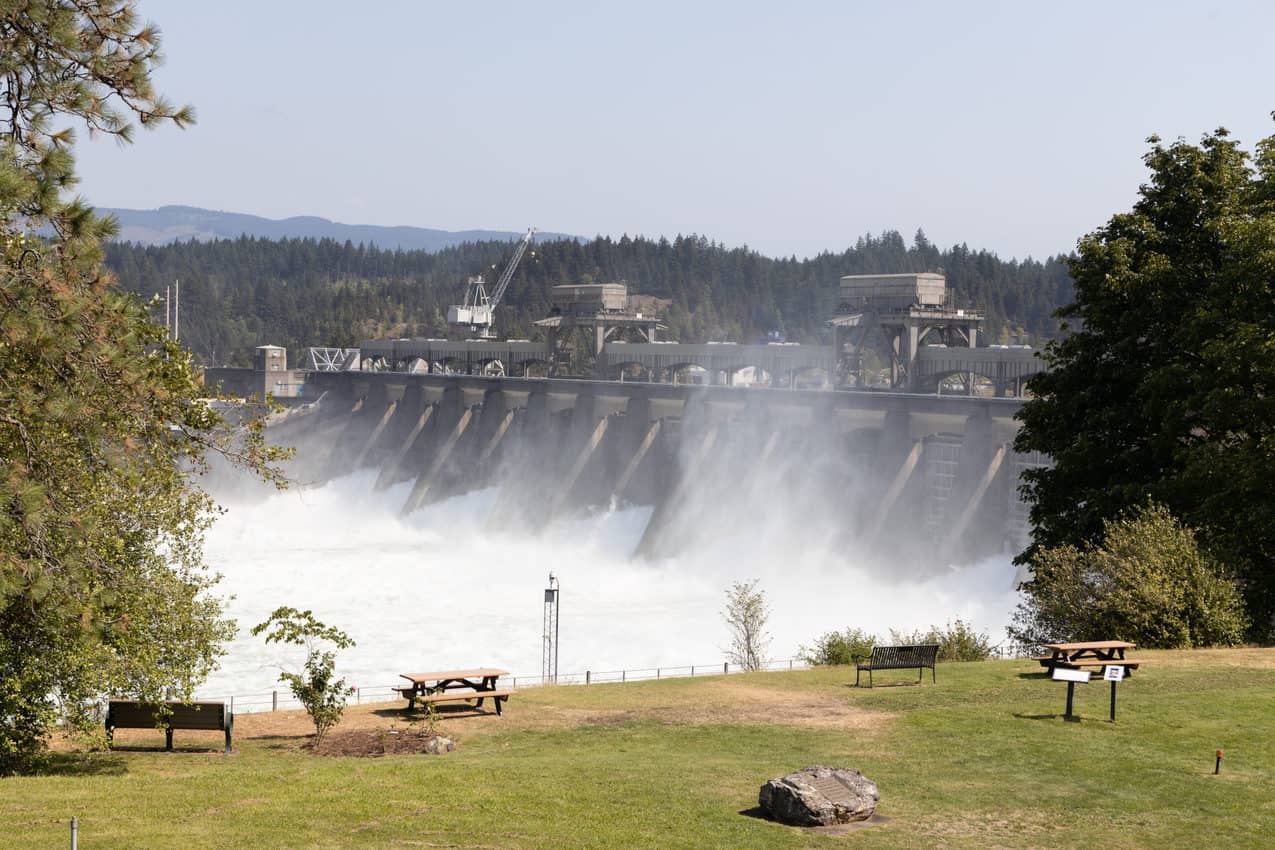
x=452 y=586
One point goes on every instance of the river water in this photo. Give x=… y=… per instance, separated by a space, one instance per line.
x=451 y=587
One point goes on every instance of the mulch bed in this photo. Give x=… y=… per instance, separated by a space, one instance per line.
x=373 y=742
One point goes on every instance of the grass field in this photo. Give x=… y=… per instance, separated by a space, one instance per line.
x=981 y=759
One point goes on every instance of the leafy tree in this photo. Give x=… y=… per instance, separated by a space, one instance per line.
x=1146 y=582
x=746 y=614
x=317 y=688
x=102 y=585
x=1164 y=388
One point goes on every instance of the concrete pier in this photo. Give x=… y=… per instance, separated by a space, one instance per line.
x=900 y=471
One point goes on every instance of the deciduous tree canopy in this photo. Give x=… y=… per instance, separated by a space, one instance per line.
x=1163 y=387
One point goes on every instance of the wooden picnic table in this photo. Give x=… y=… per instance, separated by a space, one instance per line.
x=1092 y=653
x=434 y=685
x=1092 y=650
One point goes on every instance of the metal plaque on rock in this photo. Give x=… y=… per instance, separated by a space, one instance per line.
x=833 y=789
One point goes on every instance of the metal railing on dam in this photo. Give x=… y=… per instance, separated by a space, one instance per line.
x=900 y=478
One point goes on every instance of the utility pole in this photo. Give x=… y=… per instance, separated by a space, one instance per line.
x=549 y=654
x=168 y=311
x=177 y=306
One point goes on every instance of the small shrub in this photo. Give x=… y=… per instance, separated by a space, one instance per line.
x=838 y=647
x=1147 y=582
x=317 y=688
x=958 y=641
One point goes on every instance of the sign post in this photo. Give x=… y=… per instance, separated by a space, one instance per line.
x=1113 y=673
x=1071 y=677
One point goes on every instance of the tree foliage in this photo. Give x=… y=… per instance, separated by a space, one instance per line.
x=316 y=687
x=102 y=585
x=1164 y=387
x=746 y=614
x=1147 y=582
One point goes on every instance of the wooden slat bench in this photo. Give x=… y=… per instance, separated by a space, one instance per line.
x=126 y=714
x=906 y=657
x=497 y=697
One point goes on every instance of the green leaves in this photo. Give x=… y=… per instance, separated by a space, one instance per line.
x=1165 y=388
x=300 y=628
x=1146 y=582
x=317 y=688
x=103 y=590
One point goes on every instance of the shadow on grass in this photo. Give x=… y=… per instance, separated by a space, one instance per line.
x=458 y=709
x=1074 y=718
x=284 y=742
x=757 y=813
x=187 y=750
x=81 y=764
x=396 y=713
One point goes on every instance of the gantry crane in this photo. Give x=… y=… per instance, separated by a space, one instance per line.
x=478 y=311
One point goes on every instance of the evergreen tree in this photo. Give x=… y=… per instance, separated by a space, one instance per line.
x=102 y=586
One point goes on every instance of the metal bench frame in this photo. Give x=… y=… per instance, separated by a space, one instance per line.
x=130 y=714
x=903 y=657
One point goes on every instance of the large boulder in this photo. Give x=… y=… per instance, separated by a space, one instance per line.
x=820 y=796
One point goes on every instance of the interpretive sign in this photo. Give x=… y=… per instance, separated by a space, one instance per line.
x=1066 y=674
x=1112 y=673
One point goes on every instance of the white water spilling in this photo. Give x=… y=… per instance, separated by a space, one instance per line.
x=447 y=588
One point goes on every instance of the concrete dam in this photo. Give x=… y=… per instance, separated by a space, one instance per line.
x=908 y=482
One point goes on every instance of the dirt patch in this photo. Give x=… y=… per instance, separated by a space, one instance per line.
x=374 y=742
x=729 y=700
x=724 y=700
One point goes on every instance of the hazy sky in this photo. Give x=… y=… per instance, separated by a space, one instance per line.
x=792 y=128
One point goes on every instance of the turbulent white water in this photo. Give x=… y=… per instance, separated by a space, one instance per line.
x=448 y=588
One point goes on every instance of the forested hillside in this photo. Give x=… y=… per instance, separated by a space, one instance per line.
x=237 y=294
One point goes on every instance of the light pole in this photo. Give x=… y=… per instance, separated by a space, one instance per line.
x=549 y=653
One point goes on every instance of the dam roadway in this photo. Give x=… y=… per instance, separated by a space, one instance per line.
x=922 y=479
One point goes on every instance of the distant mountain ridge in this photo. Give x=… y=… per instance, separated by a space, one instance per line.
x=182 y=224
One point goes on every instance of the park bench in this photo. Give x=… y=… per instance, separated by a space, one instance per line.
x=127 y=714
x=919 y=656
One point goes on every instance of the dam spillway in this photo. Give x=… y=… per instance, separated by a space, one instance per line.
x=906 y=481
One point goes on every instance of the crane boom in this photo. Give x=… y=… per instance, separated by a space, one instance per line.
x=479 y=309
x=508 y=274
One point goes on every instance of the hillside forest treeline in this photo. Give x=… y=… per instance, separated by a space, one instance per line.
x=238 y=294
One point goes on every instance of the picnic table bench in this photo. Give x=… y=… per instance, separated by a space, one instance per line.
x=131 y=714
x=456 y=685
x=903 y=657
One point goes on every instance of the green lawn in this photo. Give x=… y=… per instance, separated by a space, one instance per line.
x=982 y=759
